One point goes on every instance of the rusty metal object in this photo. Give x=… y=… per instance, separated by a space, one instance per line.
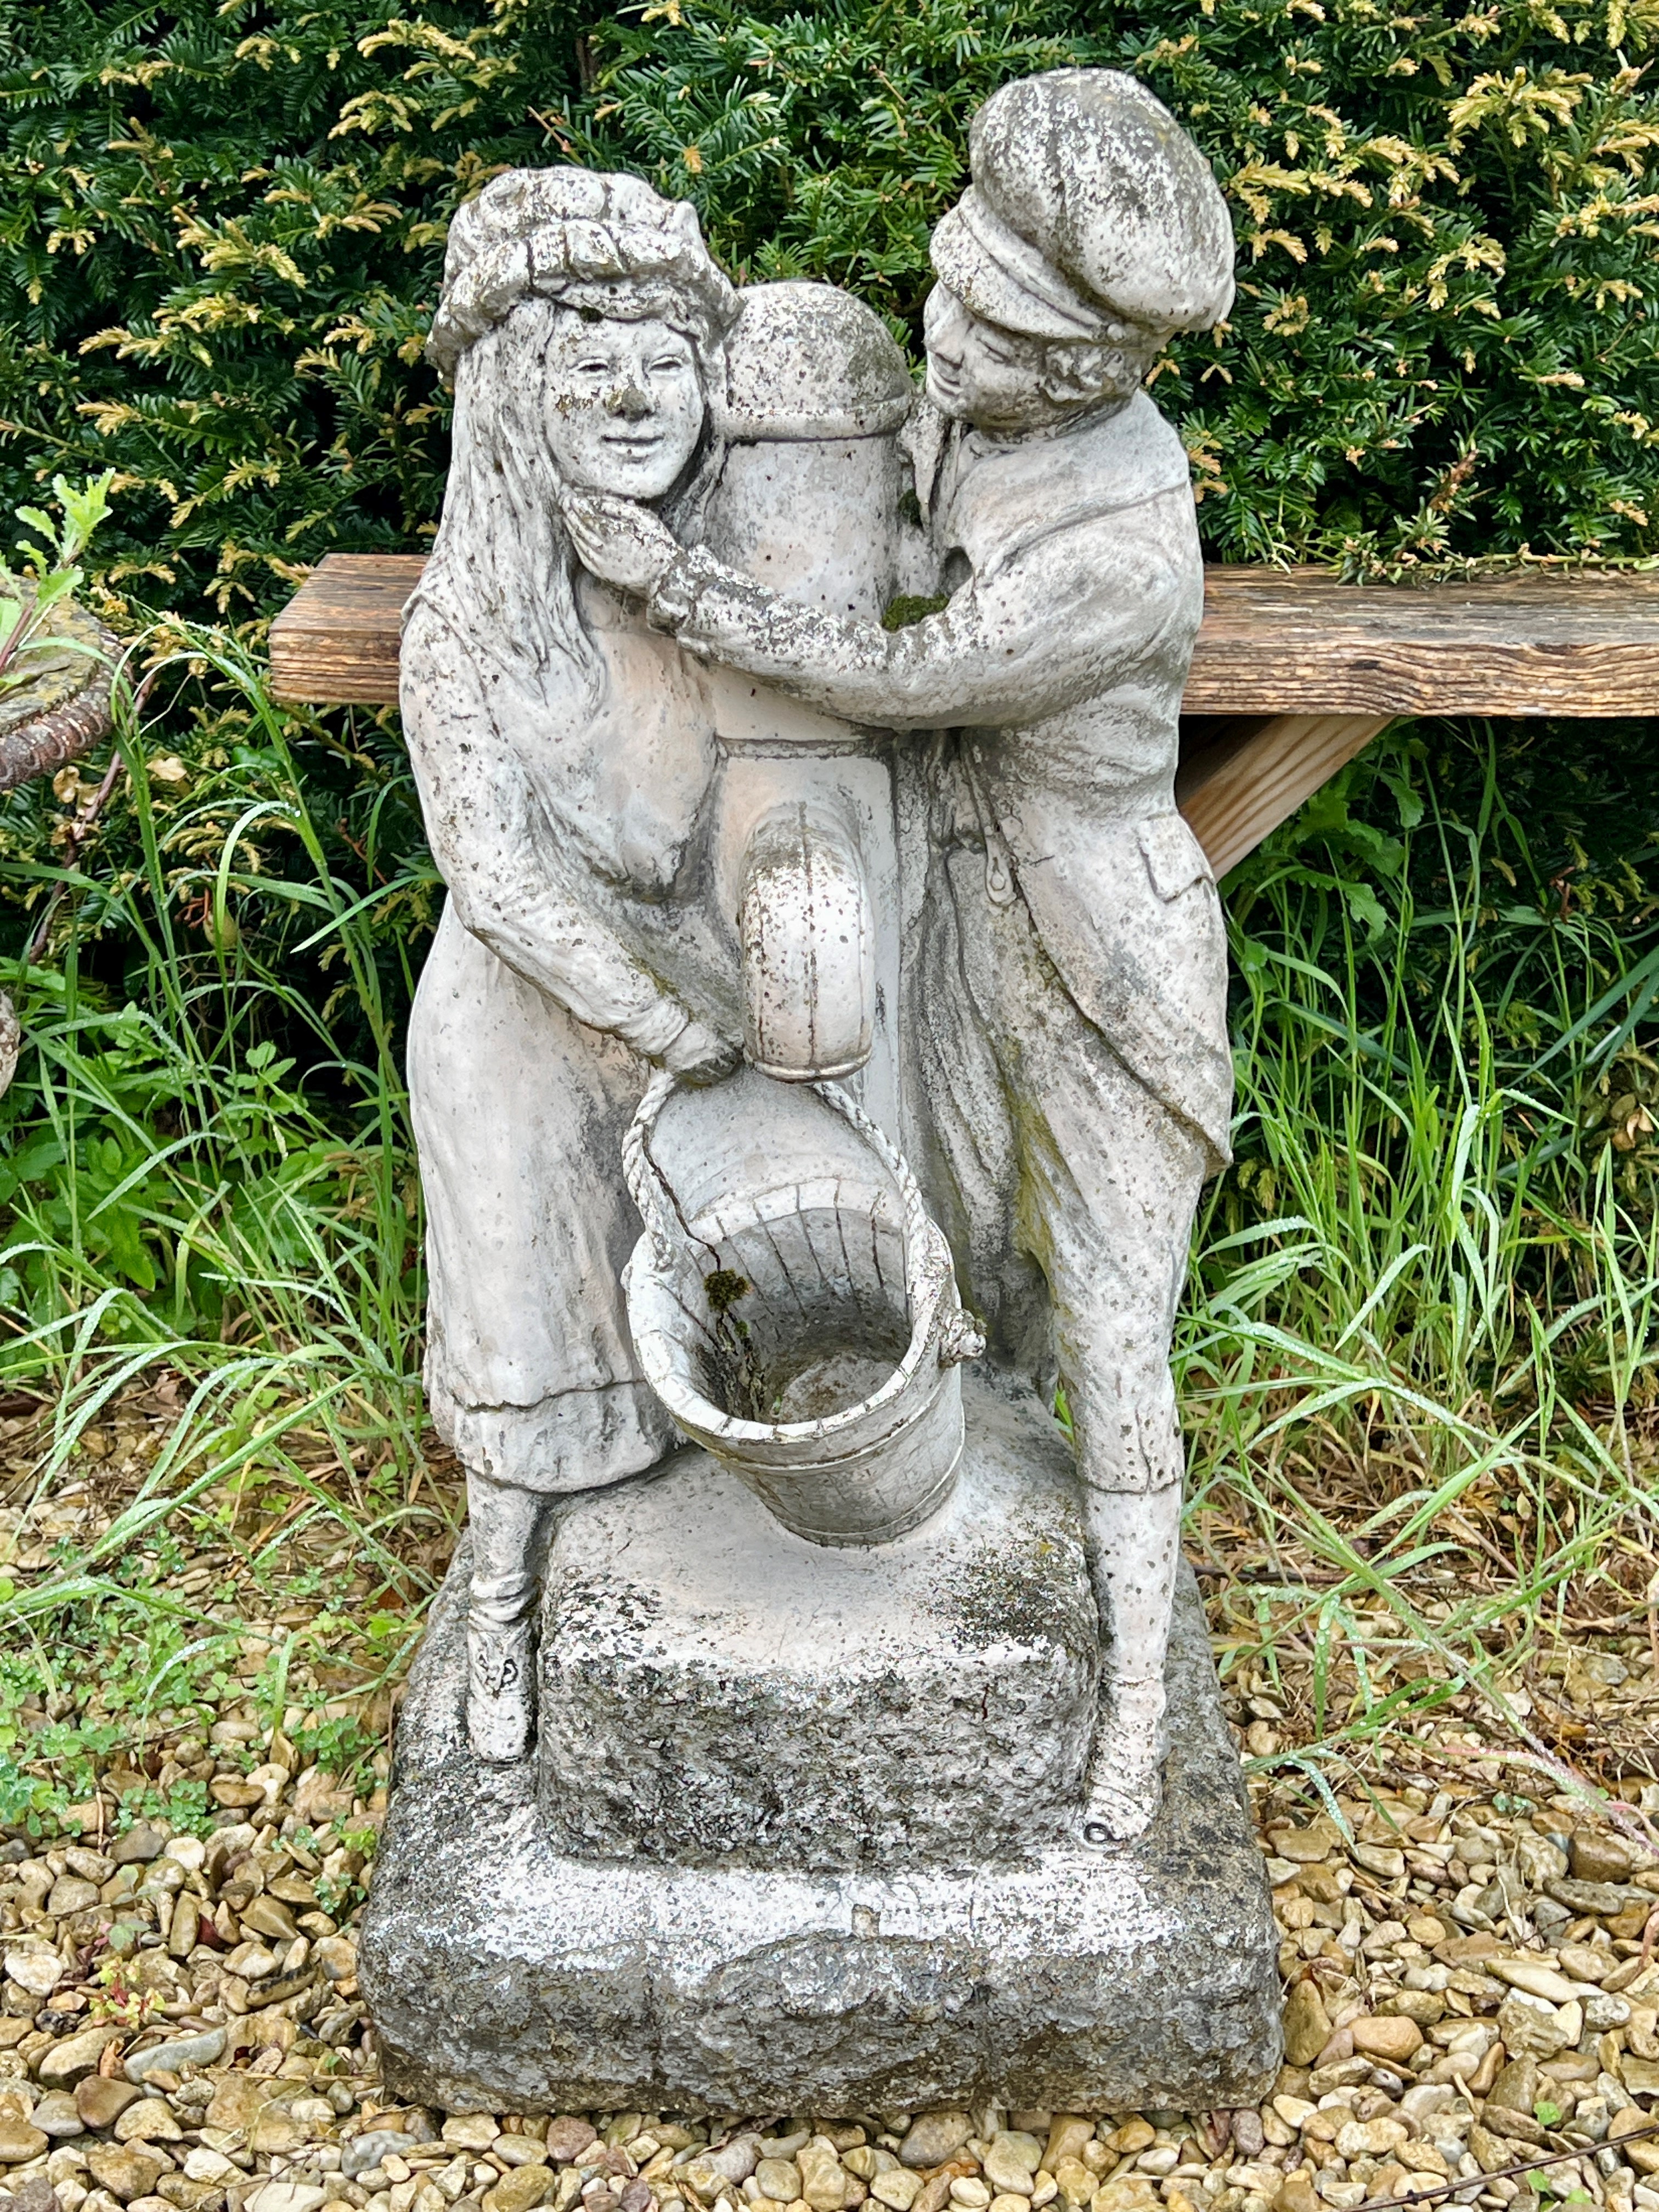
x=63 y=706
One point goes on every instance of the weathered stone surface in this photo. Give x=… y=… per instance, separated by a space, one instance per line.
x=504 y=1973
x=815 y=1707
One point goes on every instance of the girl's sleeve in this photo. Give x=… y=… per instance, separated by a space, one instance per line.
x=488 y=840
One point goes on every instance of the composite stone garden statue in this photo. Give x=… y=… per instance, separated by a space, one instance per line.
x=819 y=1060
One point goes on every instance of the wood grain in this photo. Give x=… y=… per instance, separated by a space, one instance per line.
x=336 y=641
x=1295 y=641
x=1241 y=786
x=1274 y=642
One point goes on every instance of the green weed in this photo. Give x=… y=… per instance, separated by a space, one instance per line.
x=1419 y=1353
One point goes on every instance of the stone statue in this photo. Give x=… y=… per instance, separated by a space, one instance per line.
x=1073 y=1011
x=807 y=1724
x=564 y=761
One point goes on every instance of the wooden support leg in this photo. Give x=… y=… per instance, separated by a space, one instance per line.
x=1238 y=786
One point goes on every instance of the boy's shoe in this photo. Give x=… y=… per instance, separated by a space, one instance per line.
x=1126 y=1773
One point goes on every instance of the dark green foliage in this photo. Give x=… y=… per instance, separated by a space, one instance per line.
x=221 y=229
x=220 y=232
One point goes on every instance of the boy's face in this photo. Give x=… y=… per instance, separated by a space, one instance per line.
x=979 y=373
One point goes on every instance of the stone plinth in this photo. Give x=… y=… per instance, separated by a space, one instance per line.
x=713 y=1687
x=505 y=1966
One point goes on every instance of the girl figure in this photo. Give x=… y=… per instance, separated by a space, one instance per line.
x=563 y=757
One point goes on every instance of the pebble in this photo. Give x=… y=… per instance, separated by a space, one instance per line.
x=567 y=2138
x=1599 y=1858
x=54 y=2114
x=77 y=2056
x=20 y=2140
x=69 y=1895
x=1067 y=2134
x=1534 y=2026
x=151 y=2119
x=1307 y=2024
x=898 y=2188
x=287 y=2197
x=780 y=2180
x=736 y=2160
x=140 y=1845
x=1536 y=1978
x=519 y=2189
x=1011 y=2161
x=1391 y=2037
x=204 y=2050
x=471 y=2130
x=363 y=2152
x=101 y=2101
x=519 y=2151
x=965 y=2191
x=934 y=2137
x=36 y=1967
x=126 y=2172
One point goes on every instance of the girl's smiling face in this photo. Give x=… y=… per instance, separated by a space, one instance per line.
x=625 y=405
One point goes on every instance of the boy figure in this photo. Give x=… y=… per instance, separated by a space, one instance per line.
x=1067 y=1002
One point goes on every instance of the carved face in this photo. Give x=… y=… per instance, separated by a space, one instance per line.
x=625 y=405
x=980 y=374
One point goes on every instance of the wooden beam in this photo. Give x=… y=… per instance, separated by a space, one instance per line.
x=1236 y=789
x=336 y=641
x=1292 y=643
x=1295 y=641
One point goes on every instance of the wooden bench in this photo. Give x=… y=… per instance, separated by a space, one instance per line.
x=1293 y=673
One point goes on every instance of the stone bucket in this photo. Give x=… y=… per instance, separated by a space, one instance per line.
x=795 y=1308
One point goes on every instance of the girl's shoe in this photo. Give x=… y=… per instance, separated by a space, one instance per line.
x=500 y=1691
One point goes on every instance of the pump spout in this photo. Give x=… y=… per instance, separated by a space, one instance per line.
x=807 y=927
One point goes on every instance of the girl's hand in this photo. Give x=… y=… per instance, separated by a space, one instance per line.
x=617 y=541
x=701 y=1055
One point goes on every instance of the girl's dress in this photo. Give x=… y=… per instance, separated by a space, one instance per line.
x=571 y=837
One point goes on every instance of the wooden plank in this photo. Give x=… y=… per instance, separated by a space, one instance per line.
x=336 y=641
x=1241 y=786
x=1274 y=642
x=1295 y=641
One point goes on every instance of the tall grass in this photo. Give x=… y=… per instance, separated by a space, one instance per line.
x=208 y=1172
x=1418 y=1353
x=1419 y=1348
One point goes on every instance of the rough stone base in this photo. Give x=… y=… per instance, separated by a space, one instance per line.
x=505 y=1972
x=799 y=1705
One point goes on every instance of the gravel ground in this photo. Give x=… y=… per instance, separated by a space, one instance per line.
x=1470 y=1972
x=1468 y=1989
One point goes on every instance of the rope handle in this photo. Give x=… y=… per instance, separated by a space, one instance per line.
x=671 y=1234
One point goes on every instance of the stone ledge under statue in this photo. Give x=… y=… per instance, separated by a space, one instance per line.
x=505 y=1969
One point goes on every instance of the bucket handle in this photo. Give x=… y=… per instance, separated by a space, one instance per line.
x=671 y=1234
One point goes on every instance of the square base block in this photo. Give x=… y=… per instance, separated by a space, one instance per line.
x=506 y=1968
x=817 y=1707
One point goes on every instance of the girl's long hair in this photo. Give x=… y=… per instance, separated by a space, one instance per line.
x=502 y=570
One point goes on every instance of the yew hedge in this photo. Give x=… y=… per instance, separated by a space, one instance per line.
x=221 y=227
